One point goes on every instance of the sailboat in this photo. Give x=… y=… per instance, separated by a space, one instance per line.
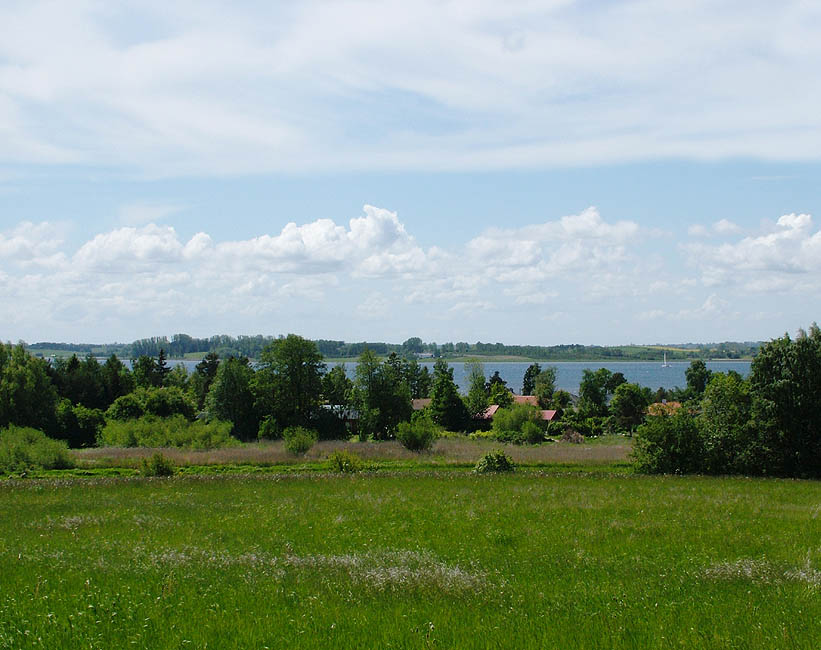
x=665 y=364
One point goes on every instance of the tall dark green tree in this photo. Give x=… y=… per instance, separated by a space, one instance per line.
x=785 y=382
x=477 y=397
x=231 y=398
x=724 y=423
x=544 y=385
x=447 y=408
x=593 y=392
x=27 y=396
x=697 y=376
x=628 y=405
x=380 y=395
x=288 y=382
x=202 y=377
x=529 y=379
x=117 y=379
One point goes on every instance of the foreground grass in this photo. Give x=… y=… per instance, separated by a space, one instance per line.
x=411 y=560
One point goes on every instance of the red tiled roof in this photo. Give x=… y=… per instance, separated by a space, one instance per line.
x=549 y=415
x=420 y=403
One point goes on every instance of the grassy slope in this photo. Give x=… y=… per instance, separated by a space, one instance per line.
x=411 y=560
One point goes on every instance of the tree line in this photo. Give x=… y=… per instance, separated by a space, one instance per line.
x=179 y=345
x=719 y=422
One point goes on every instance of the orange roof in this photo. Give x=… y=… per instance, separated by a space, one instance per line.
x=549 y=415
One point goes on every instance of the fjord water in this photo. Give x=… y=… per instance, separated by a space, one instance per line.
x=569 y=373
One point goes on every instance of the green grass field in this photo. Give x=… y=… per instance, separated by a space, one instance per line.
x=439 y=559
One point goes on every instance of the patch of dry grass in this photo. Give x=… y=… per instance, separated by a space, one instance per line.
x=445 y=451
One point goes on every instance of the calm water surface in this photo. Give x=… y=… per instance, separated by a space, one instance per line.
x=569 y=373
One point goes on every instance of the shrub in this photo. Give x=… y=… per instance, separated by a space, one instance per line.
x=571 y=435
x=157 y=465
x=23 y=448
x=495 y=461
x=298 y=440
x=532 y=432
x=669 y=444
x=418 y=435
x=516 y=424
x=126 y=407
x=175 y=431
x=344 y=461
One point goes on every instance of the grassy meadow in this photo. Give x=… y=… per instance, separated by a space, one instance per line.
x=410 y=559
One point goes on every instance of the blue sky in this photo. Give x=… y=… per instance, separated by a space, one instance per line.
x=543 y=172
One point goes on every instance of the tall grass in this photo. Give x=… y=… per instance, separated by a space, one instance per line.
x=445 y=451
x=451 y=560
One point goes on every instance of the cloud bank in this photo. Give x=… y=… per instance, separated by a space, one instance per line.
x=584 y=277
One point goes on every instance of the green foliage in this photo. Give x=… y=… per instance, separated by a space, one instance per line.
x=593 y=392
x=669 y=444
x=126 y=407
x=231 y=398
x=447 y=408
x=628 y=406
x=27 y=396
x=268 y=429
x=494 y=461
x=697 y=377
x=724 y=424
x=418 y=435
x=785 y=384
x=24 y=449
x=499 y=394
x=477 y=397
x=167 y=401
x=545 y=385
x=380 y=395
x=157 y=465
x=520 y=423
x=77 y=425
x=288 y=383
x=161 y=402
x=345 y=461
x=174 y=431
x=529 y=379
x=299 y=440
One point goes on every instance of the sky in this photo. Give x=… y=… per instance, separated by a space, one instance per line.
x=538 y=172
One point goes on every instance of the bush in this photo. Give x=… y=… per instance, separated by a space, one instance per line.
x=157 y=465
x=418 y=435
x=345 y=461
x=573 y=436
x=298 y=440
x=518 y=424
x=175 y=431
x=126 y=407
x=495 y=461
x=23 y=448
x=669 y=444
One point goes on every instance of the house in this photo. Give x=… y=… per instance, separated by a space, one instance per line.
x=525 y=399
x=421 y=403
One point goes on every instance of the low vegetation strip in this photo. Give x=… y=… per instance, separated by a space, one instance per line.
x=418 y=559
